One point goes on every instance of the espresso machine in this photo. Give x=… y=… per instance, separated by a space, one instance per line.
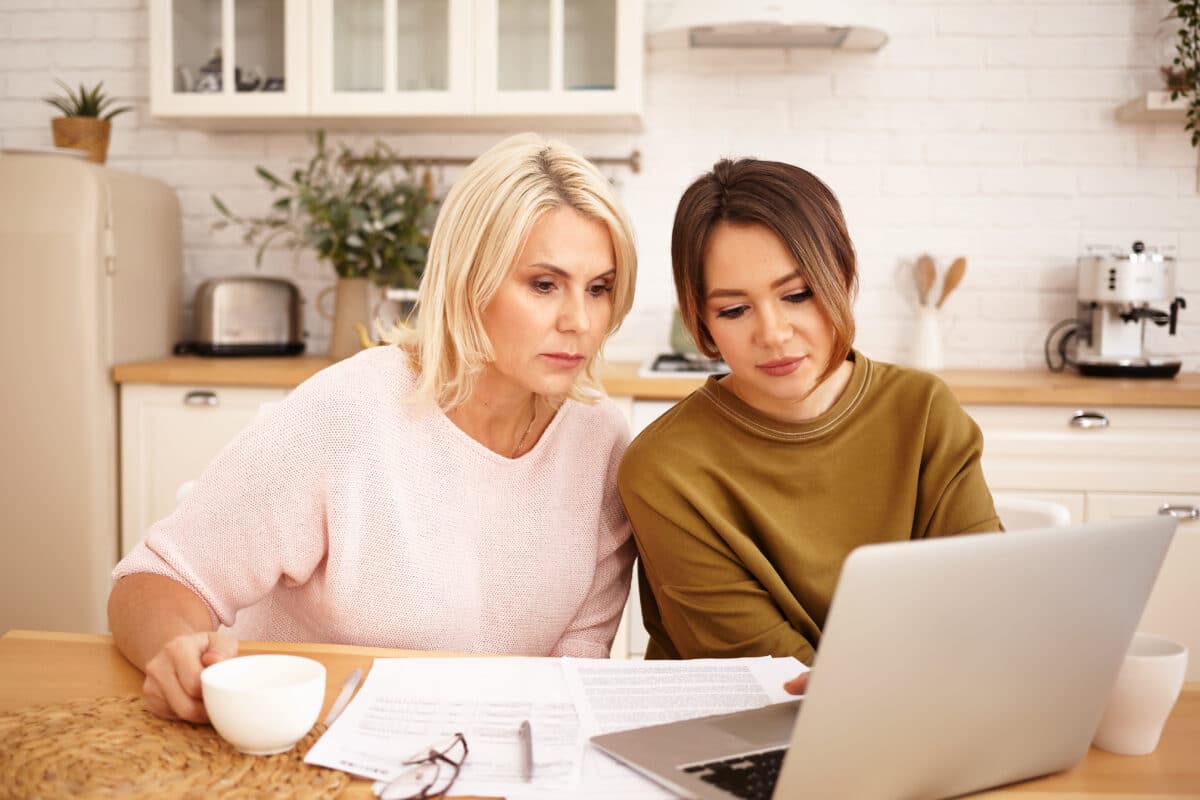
x=1119 y=294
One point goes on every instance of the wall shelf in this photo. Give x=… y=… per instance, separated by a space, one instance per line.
x=1153 y=107
x=1157 y=107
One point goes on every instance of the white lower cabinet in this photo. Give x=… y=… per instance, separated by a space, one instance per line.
x=1100 y=463
x=169 y=434
x=632 y=638
x=1065 y=449
x=1173 y=609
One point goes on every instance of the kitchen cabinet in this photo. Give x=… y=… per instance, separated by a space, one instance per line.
x=1173 y=609
x=1101 y=463
x=229 y=58
x=574 y=62
x=169 y=434
x=1102 y=459
x=379 y=58
x=575 y=56
x=1081 y=450
x=1068 y=455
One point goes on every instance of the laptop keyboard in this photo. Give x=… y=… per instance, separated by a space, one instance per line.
x=751 y=777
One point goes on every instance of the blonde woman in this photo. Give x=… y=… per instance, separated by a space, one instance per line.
x=455 y=490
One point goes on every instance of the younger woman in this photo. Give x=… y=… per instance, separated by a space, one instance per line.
x=454 y=491
x=748 y=495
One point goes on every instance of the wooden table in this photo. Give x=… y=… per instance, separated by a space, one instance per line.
x=38 y=667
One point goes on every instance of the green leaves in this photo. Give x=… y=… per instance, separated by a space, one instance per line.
x=86 y=102
x=361 y=212
x=1187 y=58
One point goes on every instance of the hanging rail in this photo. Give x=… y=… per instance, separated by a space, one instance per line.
x=633 y=161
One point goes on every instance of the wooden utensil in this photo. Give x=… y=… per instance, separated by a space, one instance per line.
x=926 y=274
x=954 y=276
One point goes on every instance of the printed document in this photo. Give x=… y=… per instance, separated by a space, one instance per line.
x=407 y=704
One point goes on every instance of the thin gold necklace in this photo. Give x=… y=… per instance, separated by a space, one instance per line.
x=528 y=427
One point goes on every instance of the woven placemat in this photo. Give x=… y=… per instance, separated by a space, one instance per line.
x=112 y=747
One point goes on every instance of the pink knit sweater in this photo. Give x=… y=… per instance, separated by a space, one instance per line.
x=347 y=515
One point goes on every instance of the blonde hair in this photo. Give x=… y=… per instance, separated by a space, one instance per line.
x=479 y=232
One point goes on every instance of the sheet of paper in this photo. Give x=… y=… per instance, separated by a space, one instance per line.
x=619 y=695
x=406 y=704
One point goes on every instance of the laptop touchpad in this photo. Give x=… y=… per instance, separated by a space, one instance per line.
x=767 y=726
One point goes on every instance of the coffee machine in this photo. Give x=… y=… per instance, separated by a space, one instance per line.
x=1117 y=292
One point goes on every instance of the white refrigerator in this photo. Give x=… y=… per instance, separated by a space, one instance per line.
x=90 y=271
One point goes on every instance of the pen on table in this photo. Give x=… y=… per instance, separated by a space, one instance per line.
x=525 y=736
x=339 y=702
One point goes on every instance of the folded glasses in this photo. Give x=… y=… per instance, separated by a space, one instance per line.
x=430 y=774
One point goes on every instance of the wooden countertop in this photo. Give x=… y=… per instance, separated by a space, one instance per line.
x=621 y=379
x=39 y=667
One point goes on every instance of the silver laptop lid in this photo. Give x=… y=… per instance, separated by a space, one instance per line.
x=967 y=662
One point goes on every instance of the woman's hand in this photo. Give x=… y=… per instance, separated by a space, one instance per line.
x=172 y=686
x=798 y=684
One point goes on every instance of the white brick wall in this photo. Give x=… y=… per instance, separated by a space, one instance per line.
x=983 y=129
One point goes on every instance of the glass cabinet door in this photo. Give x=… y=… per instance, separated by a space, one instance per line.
x=260 y=46
x=589 y=45
x=523 y=54
x=235 y=57
x=558 y=56
x=379 y=57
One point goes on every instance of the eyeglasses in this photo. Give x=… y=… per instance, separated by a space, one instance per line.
x=431 y=775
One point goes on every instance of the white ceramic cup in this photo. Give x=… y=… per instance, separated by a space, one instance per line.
x=263 y=704
x=1147 y=687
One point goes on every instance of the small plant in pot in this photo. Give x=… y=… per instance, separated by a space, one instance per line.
x=360 y=212
x=87 y=119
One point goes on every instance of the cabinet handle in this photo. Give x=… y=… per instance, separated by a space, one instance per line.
x=1088 y=420
x=1185 y=513
x=201 y=398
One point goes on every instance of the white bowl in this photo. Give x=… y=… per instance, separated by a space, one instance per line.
x=263 y=704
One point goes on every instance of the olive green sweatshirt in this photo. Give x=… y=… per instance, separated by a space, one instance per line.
x=743 y=521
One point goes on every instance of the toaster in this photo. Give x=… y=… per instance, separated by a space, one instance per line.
x=245 y=316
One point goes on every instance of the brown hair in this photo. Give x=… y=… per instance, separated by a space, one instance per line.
x=796 y=206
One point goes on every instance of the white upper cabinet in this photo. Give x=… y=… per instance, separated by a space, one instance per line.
x=465 y=60
x=229 y=58
x=391 y=57
x=574 y=56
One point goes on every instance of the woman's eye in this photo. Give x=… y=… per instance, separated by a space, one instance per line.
x=599 y=289
x=542 y=286
x=731 y=313
x=799 y=297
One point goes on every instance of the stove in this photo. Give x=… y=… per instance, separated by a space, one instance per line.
x=675 y=365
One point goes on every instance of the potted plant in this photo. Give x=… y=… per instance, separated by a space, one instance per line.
x=87 y=119
x=360 y=212
x=1183 y=76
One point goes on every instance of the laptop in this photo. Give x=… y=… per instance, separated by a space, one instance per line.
x=946 y=666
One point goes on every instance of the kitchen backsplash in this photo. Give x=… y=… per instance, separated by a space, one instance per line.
x=982 y=129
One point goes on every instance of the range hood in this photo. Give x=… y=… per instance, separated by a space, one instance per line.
x=823 y=24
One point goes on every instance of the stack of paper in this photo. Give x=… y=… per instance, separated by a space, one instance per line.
x=407 y=704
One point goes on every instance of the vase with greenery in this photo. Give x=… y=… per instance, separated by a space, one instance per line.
x=86 y=123
x=1183 y=76
x=361 y=212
